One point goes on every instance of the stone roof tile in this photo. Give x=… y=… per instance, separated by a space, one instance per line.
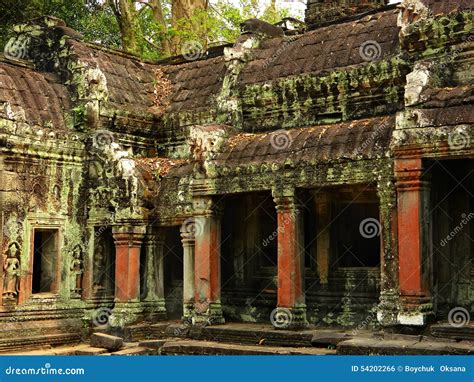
x=361 y=139
x=32 y=97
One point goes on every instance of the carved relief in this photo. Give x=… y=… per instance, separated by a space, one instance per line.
x=77 y=270
x=11 y=269
x=99 y=263
x=411 y=11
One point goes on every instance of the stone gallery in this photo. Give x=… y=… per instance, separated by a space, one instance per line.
x=309 y=175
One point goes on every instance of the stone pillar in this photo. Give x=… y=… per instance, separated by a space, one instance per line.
x=188 y=240
x=207 y=267
x=414 y=242
x=87 y=289
x=128 y=241
x=153 y=296
x=291 y=309
x=388 y=308
x=323 y=235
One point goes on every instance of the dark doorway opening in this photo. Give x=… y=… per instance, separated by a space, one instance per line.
x=45 y=261
x=356 y=235
x=173 y=273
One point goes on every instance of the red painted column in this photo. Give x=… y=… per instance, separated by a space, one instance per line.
x=128 y=241
x=291 y=309
x=414 y=242
x=207 y=266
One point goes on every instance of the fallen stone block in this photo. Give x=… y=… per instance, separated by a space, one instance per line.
x=106 y=341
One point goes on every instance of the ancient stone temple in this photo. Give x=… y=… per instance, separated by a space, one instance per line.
x=314 y=176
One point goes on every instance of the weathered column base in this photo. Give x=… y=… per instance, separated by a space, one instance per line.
x=188 y=311
x=210 y=316
x=154 y=311
x=289 y=318
x=416 y=311
x=388 y=309
x=125 y=313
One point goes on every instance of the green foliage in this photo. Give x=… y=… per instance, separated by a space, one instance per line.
x=96 y=21
x=89 y=17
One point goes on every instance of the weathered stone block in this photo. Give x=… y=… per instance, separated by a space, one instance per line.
x=106 y=341
x=152 y=344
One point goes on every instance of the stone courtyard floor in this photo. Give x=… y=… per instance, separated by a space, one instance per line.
x=174 y=338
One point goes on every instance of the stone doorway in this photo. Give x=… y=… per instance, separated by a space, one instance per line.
x=249 y=257
x=45 y=261
x=173 y=272
x=452 y=214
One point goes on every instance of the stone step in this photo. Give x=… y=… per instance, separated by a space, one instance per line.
x=268 y=336
x=37 y=342
x=374 y=346
x=446 y=330
x=192 y=347
x=137 y=350
x=90 y=350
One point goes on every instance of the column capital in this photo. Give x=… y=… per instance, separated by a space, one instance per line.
x=286 y=201
x=154 y=235
x=188 y=231
x=410 y=175
x=207 y=206
x=128 y=235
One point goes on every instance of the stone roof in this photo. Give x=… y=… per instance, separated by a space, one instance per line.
x=33 y=97
x=195 y=83
x=362 y=139
x=129 y=80
x=323 y=49
x=447 y=6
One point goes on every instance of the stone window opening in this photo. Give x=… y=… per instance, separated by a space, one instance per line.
x=45 y=261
